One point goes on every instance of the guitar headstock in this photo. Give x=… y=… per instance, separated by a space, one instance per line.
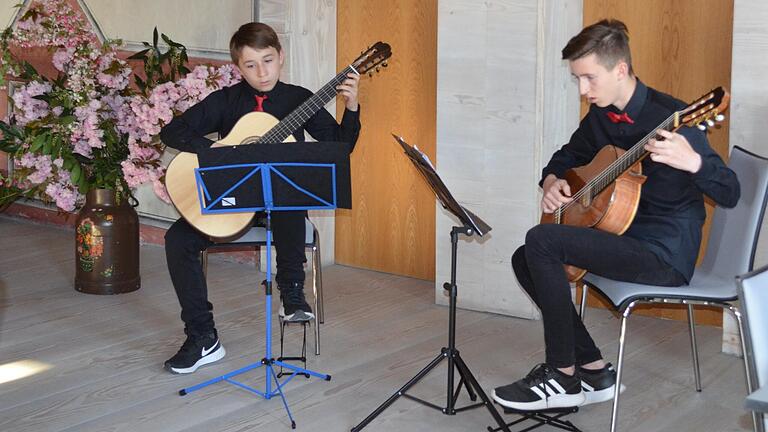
x=373 y=58
x=704 y=111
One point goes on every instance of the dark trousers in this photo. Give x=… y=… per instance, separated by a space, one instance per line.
x=538 y=266
x=183 y=245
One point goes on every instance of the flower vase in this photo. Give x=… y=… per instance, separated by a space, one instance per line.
x=106 y=245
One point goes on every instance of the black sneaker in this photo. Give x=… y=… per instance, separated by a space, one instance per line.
x=543 y=388
x=598 y=385
x=293 y=305
x=195 y=352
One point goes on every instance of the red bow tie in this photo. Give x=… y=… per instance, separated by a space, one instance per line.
x=260 y=102
x=618 y=118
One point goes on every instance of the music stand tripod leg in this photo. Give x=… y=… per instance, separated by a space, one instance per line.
x=436 y=361
x=454 y=360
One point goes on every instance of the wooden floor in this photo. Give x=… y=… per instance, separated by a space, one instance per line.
x=105 y=354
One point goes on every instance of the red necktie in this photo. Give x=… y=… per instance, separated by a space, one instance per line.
x=260 y=103
x=618 y=118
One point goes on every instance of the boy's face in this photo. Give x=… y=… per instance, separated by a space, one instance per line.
x=597 y=84
x=260 y=67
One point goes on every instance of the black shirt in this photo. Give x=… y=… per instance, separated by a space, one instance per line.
x=671 y=210
x=220 y=110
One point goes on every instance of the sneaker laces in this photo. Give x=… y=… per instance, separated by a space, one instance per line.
x=538 y=376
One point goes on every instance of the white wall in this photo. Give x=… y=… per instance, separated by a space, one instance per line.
x=504 y=103
x=749 y=109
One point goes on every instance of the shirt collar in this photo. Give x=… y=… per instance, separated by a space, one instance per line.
x=636 y=102
x=272 y=94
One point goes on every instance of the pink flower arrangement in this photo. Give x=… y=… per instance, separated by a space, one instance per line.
x=88 y=127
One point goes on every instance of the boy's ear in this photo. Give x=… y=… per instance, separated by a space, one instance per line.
x=623 y=68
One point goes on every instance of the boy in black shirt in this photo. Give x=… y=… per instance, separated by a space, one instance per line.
x=661 y=244
x=256 y=51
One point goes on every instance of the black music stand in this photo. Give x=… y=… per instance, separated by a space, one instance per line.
x=471 y=224
x=271 y=177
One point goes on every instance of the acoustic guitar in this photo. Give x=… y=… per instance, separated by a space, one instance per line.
x=606 y=192
x=255 y=127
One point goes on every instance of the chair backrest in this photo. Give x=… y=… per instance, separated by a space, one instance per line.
x=733 y=234
x=753 y=293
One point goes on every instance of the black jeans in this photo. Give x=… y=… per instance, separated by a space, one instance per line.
x=183 y=245
x=538 y=266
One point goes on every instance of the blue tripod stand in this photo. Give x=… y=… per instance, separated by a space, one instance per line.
x=213 y=204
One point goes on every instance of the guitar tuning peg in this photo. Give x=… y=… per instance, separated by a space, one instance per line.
x=385 y=64
x=370 y=73
x=701 y=126
x=378 y=68
x=719 y=117
x=710 y=123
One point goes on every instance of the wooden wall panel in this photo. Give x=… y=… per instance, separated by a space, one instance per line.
x=682 y=48
x=391 y=226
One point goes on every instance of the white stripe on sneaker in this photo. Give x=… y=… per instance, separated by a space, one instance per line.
x=539 y=393
x=556 y=385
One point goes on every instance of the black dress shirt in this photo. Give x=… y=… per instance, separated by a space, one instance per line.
x=671 y=210
x=220 y=110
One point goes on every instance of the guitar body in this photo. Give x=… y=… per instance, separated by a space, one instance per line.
x=182 y=187
x=256 y=127
x=611 y=210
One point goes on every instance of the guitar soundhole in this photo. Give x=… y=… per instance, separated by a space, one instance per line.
x=250 y=139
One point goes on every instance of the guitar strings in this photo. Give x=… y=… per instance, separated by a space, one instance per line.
x=611 y=170
x=301 y=114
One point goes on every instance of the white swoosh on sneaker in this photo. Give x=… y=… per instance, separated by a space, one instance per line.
x=205 y=352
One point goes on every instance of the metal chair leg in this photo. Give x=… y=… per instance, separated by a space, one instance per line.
x=694 y=347
x=583 y=304
x=620 y=365
x=757 y=420
x=318 y=279
x=318 y=302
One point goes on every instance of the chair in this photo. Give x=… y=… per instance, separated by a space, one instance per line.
x=753 y=293
x=730 y=252
x=256 y=237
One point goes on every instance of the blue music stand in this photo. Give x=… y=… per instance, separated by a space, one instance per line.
x=217 y=186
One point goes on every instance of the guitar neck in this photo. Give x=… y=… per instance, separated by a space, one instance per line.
x=310 y=107
x=636 y=153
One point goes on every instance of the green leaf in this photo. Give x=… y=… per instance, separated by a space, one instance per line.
x=154 y=38
x=47 y=146
x=141 y=55
x=76 y=172
x=38 y=143
x=67 y=120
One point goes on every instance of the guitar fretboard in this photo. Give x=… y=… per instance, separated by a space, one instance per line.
x=300 y=115
x=616 y=168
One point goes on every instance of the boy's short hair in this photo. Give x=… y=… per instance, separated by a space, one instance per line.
x=608 y=39
x=255 y=35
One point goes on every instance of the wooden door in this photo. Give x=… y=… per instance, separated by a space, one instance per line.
x=683 y=48
x=391 y=226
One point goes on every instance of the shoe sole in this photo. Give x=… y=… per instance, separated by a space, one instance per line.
x=297 y=316
x=210 y=358
x=559 y=401
x=597 y=396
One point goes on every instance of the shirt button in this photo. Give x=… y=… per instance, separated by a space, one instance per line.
x=621 y=132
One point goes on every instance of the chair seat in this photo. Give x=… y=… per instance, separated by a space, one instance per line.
x=703 y=287
x=258 y=235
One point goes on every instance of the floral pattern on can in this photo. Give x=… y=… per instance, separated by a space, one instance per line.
x=90 y=244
